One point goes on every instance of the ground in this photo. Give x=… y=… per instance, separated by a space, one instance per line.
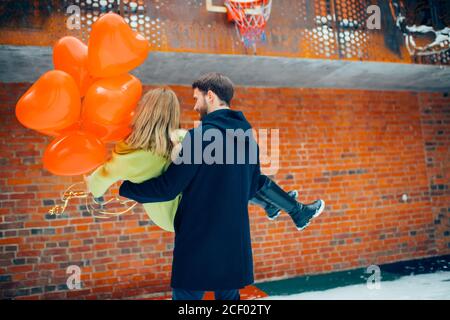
x=433 y=286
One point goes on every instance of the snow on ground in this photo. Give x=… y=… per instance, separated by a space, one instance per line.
x=434 y=286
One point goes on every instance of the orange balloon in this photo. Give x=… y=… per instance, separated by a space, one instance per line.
x=56 y=133
x=108 y=133
x=74 y=153
x=110 y=101
x=114 y=48
x=71 y=55
x=51 y=104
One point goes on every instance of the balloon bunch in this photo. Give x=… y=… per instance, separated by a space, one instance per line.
x=89 y=99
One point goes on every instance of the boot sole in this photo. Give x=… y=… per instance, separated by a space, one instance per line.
x=321 y=208
x=319 y=211
x=274 y=216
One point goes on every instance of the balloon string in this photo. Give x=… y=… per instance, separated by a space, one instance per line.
x=70 y=194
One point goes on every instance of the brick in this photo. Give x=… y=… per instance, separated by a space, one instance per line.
x=48 y=202
x=11 y=241
x=21 y=196
x=78 y=293
x=19 y=261
x=37 y=290
x=5 y=278
x=19 y=269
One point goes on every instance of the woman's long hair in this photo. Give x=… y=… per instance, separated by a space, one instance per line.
x=157 y=115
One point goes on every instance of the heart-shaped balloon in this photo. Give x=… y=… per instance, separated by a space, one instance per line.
x=108 y=133
x=110 y=101
x=71 y=55
x=114 y=48
x=52 y=103
x=74 y=153
x=56 y=133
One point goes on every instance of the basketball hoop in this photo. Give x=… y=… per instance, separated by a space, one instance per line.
x=250 y=18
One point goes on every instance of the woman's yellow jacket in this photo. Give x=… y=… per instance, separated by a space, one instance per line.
x=137 y=165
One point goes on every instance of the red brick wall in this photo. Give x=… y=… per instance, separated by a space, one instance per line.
x=358 y=150
x=435 y=110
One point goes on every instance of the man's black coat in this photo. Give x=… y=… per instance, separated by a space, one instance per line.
x=212 y=248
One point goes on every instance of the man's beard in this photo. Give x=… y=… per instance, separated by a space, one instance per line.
x=203 y=111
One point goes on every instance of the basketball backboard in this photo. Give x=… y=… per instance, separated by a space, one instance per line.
x=249 y=16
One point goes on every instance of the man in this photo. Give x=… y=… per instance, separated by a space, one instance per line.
x=212 y=249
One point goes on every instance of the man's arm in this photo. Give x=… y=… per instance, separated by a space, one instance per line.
x=167 y=186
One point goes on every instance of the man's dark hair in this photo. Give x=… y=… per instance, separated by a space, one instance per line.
x=217 y=83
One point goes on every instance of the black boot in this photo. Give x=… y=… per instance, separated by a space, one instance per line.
x=300 y=213
x=272 y=211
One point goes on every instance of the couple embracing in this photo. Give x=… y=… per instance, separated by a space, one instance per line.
x=204 y=202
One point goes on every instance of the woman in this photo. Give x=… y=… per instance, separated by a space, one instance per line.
x=147 y=151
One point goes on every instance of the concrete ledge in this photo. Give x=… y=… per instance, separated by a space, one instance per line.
x=27 y=63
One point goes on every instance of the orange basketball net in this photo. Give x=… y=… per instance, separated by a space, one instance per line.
x=250 y=17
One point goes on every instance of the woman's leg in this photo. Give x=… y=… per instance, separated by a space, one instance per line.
x=273 y=195
x=272 y=211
